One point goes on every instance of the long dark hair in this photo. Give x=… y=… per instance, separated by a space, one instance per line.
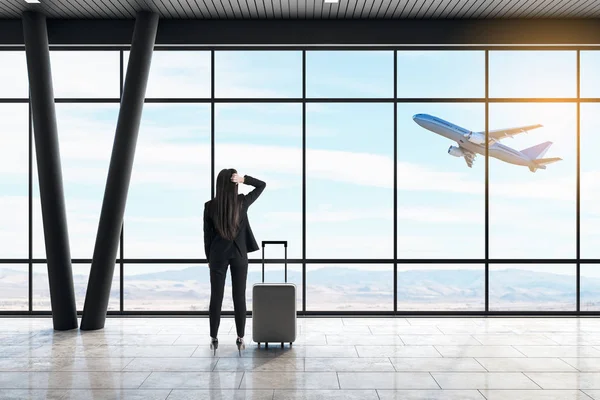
x=226 y=206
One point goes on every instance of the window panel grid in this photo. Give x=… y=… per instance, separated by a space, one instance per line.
x=396 y=100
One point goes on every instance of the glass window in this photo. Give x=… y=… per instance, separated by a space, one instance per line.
x=170 y=183
x=274 y=273
x=441 y=74
x=441 y=287
x=86 y=134
x=532 y=206
x=166 y=287
x=349 y=181
x=349 y=74
x=81 y=276
x=590 y=79
x=85 y=74
x=525 y=287
x=265 y=141
x=178 y=74
x=533 y=73
x=14 y=189
x=441 y=201
x=590 y=181
x=14 y=82
x=256 y=74
x=186 y=287
x=590 y=287
x=350 y=287
x=14 y=287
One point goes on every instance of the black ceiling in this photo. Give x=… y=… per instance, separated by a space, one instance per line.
x=308 y=9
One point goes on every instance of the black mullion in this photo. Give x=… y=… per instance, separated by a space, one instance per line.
x=201 y=100
x=328 y=313
x=14 y=100
x=122 y=239
x=30 y=210
x=332 y=100
x=487 y=184
x=304 y=180
x=328 y=261
x=578 y=193
x=164 y=47
x=88 y=100
x=395 y=184
x=212 y=124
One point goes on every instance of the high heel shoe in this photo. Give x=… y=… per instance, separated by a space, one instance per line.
x=239 y=342
x=214 y=345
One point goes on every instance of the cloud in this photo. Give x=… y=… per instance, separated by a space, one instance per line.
x=14 y=226
x=103 y=82
x=13 y=75
x=174 y=154
x=14 y=148
x=541 y=188
x=343 y=166
x=258 y=74
x=348 y=246
x=178 y=74
x=442 y=215
x=329 y=213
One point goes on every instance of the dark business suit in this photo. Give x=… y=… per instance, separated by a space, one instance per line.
x=222 y=253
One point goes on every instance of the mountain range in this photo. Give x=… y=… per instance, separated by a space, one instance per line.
x=339 y=284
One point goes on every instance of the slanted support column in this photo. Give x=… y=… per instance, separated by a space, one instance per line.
x=56 y=235
x=119 y=172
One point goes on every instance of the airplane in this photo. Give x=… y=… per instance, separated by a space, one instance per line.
x=472 y=143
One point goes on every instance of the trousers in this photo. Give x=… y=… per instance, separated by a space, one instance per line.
x=239 y=275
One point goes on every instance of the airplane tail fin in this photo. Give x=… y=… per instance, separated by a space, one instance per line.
x=546 y=161
x=542 y=162
x=537 y=151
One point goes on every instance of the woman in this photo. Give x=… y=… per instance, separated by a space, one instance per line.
x=228 y=239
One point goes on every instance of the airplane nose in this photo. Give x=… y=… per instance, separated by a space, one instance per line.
x=418 y=118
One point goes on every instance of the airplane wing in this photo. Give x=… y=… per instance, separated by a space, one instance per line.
x=469 y=157
x=499 y=134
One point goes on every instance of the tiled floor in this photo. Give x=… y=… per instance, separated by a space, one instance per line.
x=333 y=358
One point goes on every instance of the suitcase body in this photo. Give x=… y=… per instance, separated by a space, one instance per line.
x=274 y=309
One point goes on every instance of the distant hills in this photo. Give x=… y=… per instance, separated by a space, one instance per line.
x=361 y=286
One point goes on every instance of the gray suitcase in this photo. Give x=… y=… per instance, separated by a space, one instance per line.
x=273 y=308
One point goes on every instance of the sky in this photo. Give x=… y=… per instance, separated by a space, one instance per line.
x=349 y=181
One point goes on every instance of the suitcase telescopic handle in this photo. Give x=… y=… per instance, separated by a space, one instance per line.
x=265 y=242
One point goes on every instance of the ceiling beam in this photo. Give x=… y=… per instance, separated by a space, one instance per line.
x=320 y=32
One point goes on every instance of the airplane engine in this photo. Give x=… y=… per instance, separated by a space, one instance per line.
x=455 y=151
x=475 y=137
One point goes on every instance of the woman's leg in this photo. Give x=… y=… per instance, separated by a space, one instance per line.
x=218 y=273
x=239 y=275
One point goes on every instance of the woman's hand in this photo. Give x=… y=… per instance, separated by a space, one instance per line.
x=237 y=179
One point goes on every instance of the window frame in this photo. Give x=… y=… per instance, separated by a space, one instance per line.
x=303 y=100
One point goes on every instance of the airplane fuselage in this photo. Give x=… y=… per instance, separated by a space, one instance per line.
x=459 y=135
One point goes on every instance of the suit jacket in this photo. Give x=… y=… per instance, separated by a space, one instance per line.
x=218 y=248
